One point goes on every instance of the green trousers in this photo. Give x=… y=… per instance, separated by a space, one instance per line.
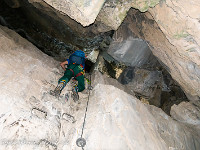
x=69 y=74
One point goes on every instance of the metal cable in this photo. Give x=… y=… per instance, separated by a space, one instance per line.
x=86 y=108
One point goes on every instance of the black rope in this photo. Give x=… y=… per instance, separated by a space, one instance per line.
x=86 y=107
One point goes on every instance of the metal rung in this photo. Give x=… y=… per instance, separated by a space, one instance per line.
x=68 y=117
x=40 y=110
x=48 y=143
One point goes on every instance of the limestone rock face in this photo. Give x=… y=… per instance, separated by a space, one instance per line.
x=174 y=133
x=166 y=132
x=179 y=47
x=173 y=37
x=33 y=119
x=30 y=117
x=176 y=45
x=25 y=74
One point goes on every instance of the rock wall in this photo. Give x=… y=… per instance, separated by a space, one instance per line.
x=33 y=119
x=171 y=51
x=180 y=47
x=173 y=37
x=187 y=113
x=171 y=28
x=25 y=74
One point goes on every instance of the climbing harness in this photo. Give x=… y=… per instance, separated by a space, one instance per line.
x=81 y=142
x=78 y=74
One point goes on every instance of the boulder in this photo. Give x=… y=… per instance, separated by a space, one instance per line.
x=187 y=112
x=84 y=11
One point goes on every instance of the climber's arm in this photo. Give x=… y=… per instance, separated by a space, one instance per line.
x=62 y=64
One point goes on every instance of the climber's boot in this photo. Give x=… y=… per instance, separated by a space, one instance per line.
x=75 y=95
x=58 y=89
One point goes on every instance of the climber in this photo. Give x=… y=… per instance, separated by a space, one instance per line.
x=75 y=68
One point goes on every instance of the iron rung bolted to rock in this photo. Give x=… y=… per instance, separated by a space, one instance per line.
x=68 y=117
x=36 y=110
x=48 y=143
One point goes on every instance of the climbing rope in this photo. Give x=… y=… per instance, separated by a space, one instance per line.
x=81 y=142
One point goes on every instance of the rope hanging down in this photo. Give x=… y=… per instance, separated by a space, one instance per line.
x=81 y=142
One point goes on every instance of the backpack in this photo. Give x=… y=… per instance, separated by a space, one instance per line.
x=78 y=57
